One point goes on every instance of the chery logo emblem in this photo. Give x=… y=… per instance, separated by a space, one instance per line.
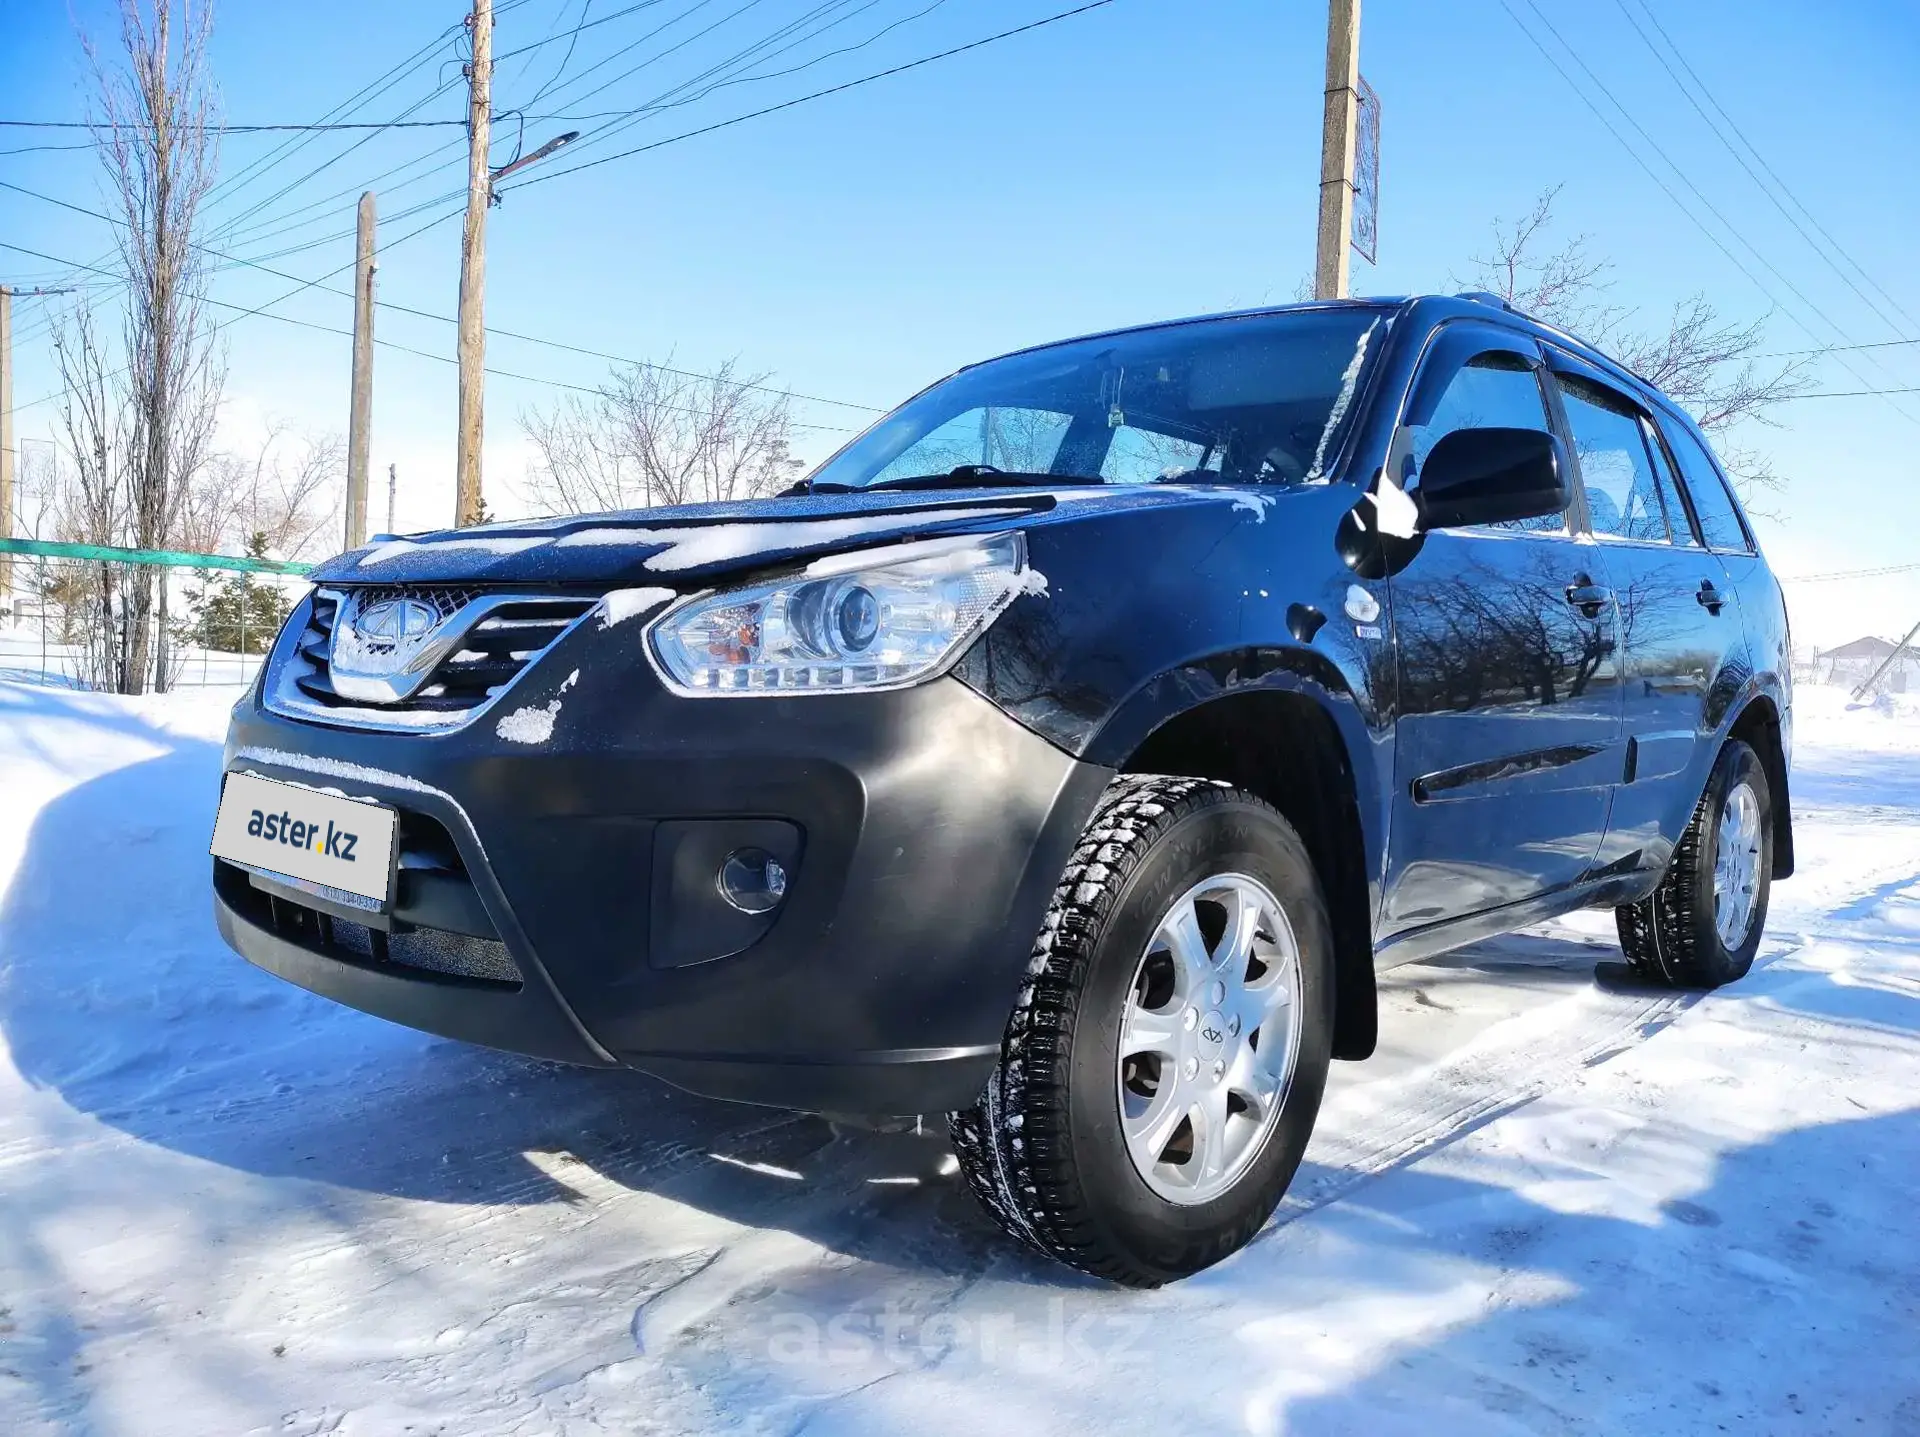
x=396 y=620
x=1211 y=1033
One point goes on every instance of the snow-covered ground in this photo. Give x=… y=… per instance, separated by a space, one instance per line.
x=1555 y=1202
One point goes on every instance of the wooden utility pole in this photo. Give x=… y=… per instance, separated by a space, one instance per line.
x=360 y=415
x=468 y=505
x=7 y=442
x=1337 y=129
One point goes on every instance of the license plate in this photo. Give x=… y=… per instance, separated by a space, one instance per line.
x=282 y=828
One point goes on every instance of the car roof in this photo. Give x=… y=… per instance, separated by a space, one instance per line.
x=1470 y=304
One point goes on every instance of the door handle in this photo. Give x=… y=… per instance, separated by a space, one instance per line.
x=1709 y=597
x=1590 y=599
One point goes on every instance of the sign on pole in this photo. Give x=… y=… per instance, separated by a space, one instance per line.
x=1366 y=175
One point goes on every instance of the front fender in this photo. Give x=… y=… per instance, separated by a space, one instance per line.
x=1149 y=614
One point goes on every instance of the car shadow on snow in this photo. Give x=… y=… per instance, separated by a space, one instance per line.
x=1777 y=1298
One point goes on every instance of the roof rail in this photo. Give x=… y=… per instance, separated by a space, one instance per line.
x=1485 y=296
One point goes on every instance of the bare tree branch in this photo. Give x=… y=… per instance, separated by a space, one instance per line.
x=652 y=436
x=1705 y=363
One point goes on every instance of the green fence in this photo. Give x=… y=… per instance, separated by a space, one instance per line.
x=168 y=558
x=71 y=615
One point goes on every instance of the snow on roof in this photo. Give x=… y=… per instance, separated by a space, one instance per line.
x=1867 y=648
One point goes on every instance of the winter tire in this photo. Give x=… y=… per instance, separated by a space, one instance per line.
x=1164 y=1063
x=1702 y=925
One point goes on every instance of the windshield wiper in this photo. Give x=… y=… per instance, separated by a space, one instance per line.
x=961 y=476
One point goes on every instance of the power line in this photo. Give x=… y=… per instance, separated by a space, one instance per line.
x=1732 y=124
x=1839 y=574
x=371 y=90
x=727 y=72
x=1694 y=189
x=1741 y=160
x=1836 y=348
x=1853 y=393
x=573 y=40
x=243 y=312
x=1667 y=189
x=816 y=95
x=365 y=95
x=392 y=305
x=310 y=128
x=655 y=59
x=266 y=229
x=573 y=33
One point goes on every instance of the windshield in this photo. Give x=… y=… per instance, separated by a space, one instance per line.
x=1259 y=399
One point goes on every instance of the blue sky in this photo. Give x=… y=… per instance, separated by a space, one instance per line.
x=1147 y=159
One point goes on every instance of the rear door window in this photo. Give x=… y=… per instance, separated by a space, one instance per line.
x=1719 y=521
x=1679 y=522
x=1623 y=494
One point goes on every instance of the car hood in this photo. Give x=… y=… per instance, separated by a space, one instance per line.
x=690 y=545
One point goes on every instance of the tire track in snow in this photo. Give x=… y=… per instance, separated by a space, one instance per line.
x=1372 y=1128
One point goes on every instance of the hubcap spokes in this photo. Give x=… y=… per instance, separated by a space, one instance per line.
x=1736 y=866
x=1209 y=1038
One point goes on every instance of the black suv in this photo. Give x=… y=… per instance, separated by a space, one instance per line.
x=1066 y=754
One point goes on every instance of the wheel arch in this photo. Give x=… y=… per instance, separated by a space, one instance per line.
x=1758 y=725
x=1287 y=744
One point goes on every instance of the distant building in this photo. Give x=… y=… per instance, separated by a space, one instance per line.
x=1853 y=664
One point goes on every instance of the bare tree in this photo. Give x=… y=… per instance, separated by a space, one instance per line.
x=653 y=436
x=139 y=434
x=281 y=499
x=93 y=509
x=1705 y=362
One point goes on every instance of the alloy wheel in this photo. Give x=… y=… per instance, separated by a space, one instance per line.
x=1209 y=1038
x=1736 y=866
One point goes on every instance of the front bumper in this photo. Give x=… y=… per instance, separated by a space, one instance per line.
x=930 y=829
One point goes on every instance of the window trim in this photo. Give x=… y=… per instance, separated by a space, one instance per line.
x=1496 y=339
x=1752 y=545
x=1660 y=411
x=1631 y=408
x=1650 y=426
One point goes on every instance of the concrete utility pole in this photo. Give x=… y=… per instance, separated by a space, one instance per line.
x=473 y=269
x=7 y=443
x=360 y=415
x=1341 y=120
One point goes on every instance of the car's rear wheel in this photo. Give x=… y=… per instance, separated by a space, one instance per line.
x=1702 y=925
x=1163 y=1067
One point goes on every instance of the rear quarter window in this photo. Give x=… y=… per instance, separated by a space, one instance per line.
x=1713 y=505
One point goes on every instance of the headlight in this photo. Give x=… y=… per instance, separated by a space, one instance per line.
x=853 y=621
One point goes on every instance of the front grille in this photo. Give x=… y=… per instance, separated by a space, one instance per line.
x=431 y=950
x=438 y=924
x=505 y=633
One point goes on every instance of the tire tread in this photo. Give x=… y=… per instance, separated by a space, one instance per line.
x=1014 y=1145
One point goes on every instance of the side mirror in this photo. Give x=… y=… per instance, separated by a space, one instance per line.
x=1491 y=476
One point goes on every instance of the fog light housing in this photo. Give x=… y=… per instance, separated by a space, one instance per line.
x=753 y=880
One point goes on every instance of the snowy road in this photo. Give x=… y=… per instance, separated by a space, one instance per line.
x=1554 y=1202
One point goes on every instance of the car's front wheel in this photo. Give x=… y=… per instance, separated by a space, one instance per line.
x=1702 y=925
x=1162 y=1069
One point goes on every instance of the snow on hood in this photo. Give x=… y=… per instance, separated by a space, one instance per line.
x=696 y=542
